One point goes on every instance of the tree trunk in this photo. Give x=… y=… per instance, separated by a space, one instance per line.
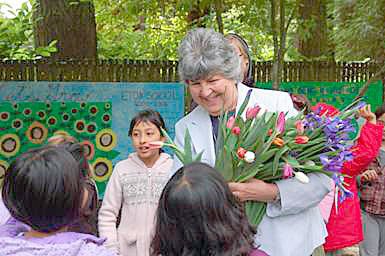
x=218 y=14
x=279 y=43
x=312 y=20
x=275 y=76
x=71 y=23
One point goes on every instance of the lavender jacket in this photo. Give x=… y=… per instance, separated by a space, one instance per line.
x=12 y=242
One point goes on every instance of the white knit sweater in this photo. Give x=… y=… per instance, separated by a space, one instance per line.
x=135 y=189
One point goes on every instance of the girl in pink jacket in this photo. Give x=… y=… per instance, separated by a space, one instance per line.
x=134 y=189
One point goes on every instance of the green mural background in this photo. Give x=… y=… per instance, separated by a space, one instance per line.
x=338 y=94
x=25 y=125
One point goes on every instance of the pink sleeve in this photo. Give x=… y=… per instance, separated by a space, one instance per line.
x=326 y=204
x=257 y=252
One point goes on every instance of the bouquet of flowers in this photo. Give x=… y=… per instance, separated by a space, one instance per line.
x=269 y=147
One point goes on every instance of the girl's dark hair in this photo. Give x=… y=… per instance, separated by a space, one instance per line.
x=380 y=111
x=249 y=79
x=78 y=152
x=148 y=115
x=87 y=222
x=198 y=215
x=43 y=188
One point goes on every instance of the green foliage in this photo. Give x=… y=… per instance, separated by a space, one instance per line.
x=359 y=30
x=136 y=29
x=153 y=29
x=16 y=36
x=122 y=35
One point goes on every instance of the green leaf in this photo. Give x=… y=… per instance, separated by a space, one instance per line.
x=198 y=157
x=221 y=132
x=292 y=161
x=267 y=155
x=244 y=104
x=277 y=157
x=52 y=43
x=165 y=134
x=255 y=212
x=187 y=148
x=258 y=131
x=313 y=150
x=227 y=168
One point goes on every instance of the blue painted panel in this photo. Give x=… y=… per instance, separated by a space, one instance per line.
x=127 y=99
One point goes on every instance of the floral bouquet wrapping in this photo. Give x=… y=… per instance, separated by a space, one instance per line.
x=269 y=147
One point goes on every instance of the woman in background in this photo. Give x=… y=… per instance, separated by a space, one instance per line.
x=243 y=51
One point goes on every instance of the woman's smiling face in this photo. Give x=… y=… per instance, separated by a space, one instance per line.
x=214 y=93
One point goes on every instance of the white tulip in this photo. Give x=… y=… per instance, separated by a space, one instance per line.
x=249 y=157
x=310 y=163
x=301 y=177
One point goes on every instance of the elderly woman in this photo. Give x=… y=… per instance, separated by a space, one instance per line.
x=210 y=67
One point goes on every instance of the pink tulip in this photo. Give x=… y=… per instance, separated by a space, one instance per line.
x=287 y=171
x=230 y=123
x=252 y=112
x=299 y=126
x=236 y=130
x=280 y=127
x=301 y=139
x=155 y=144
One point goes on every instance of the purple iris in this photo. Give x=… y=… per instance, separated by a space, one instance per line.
x=359 y=105
x=344 y=192
x=331 y=164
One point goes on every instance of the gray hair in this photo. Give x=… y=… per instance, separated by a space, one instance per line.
x=204 y=52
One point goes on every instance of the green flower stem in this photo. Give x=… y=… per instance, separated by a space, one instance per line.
x=179 y=153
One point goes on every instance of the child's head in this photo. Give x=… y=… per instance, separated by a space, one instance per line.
x=43 y=188
x=242 y=48
x=146 y=127
x=198 y=214
x=301 y=102
x=75 y=148
x=61 y=138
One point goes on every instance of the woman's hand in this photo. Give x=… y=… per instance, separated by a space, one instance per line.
x=254 y=190
x=369 y=175
x=366 y=113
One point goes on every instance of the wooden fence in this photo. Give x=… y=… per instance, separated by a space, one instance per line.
x=166 y=71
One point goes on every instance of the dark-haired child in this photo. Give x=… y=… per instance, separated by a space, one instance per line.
x=43 y=190
x=199 y=215
x=134 y=188
x=88 y=214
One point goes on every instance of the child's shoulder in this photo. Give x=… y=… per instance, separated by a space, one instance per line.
x=166 y=158
x=129 y=161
